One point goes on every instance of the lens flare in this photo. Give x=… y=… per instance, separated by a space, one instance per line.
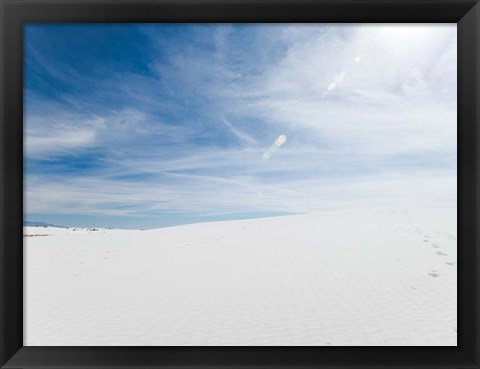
x=280 y=140
x=331 y=86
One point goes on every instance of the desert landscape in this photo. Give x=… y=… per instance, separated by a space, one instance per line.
x=240 y=184
x=342 y=278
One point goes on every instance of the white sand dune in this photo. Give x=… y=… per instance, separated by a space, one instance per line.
x=363 y=277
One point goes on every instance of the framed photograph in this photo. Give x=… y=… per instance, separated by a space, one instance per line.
x=239 y=184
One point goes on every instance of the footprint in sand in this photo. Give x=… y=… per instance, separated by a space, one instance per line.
x=441 y=253
x=450 y=236
x=435 y=246
x=451 y=263
x=434 y=273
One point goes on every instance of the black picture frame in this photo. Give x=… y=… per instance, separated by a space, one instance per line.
x=16 y=13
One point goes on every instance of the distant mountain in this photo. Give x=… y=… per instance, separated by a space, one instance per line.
x=39 y=224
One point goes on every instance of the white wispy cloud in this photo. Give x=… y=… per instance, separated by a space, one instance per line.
x=242 y=136
x=389 y=100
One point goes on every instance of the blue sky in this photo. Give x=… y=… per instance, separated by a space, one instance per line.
x=142 y=126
